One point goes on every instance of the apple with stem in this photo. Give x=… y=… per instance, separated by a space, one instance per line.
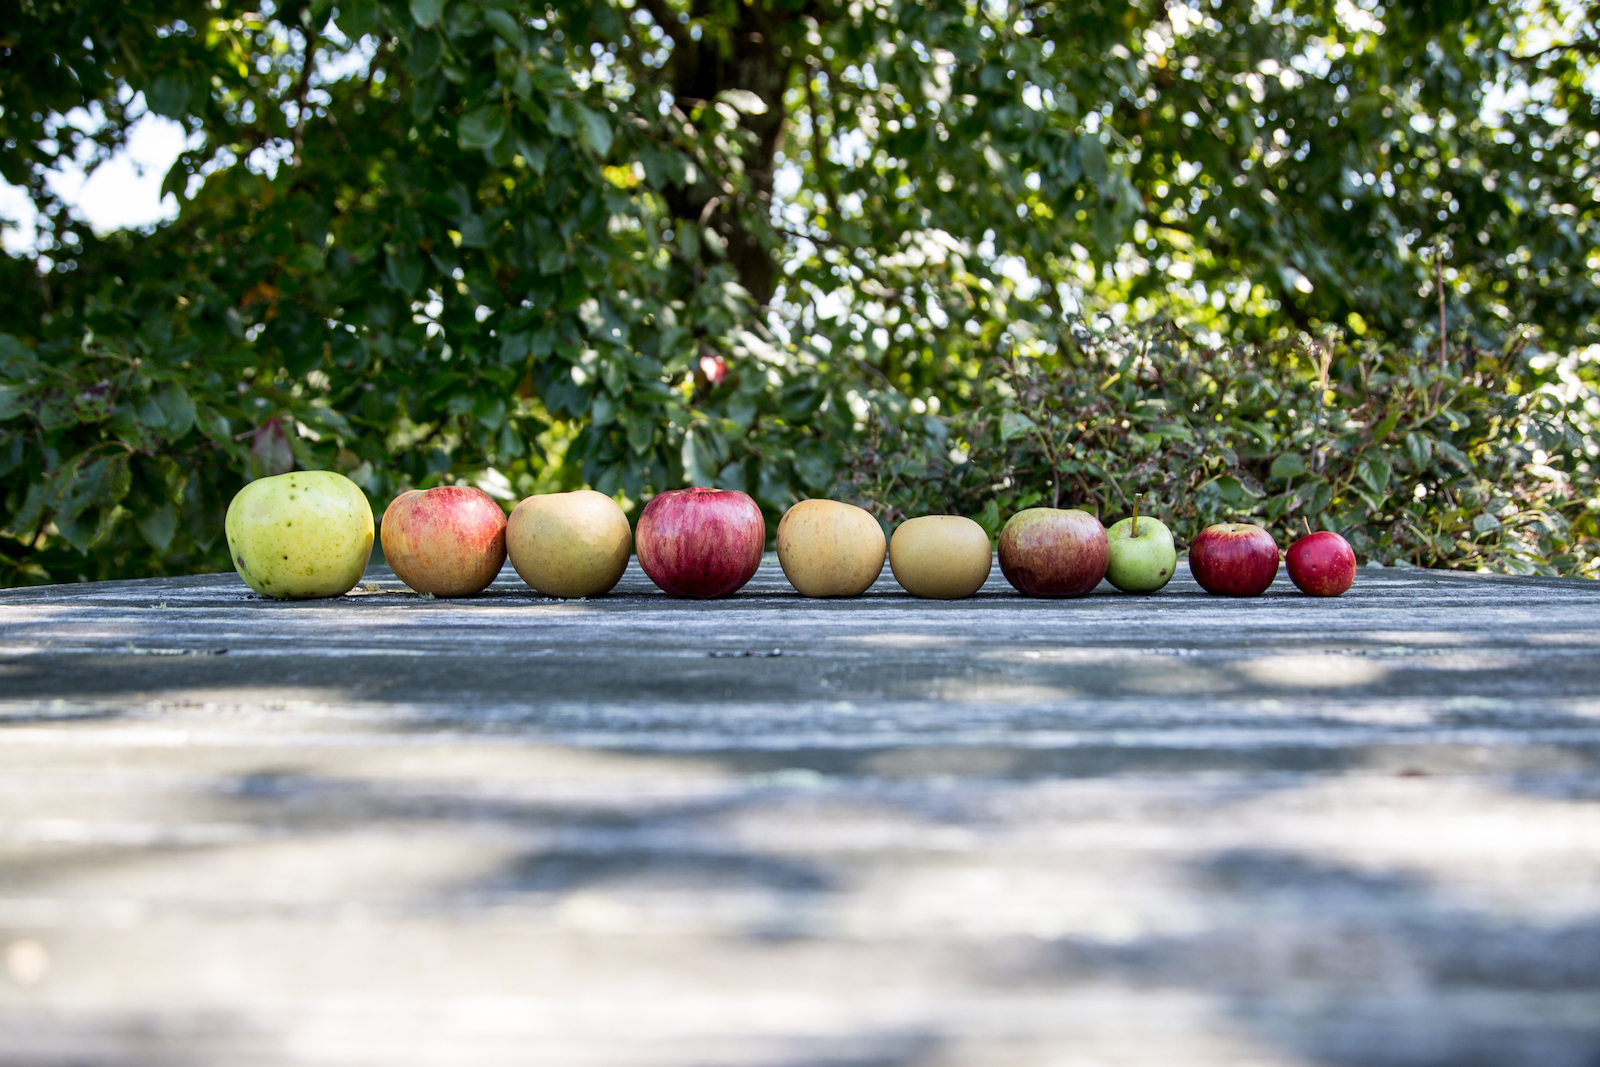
x=1141 y=557
x=1321 y=563
x=1234 y=559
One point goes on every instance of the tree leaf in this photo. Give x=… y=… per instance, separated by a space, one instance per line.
x=595 y=130
x=168 y=93
x=1375 y=472
x=1014 y=424
x=158 y=527
x=426 y=12
x=506 y=28
x=177 y=409
x=482 y=127
x=270 y=452
x=1288 y=465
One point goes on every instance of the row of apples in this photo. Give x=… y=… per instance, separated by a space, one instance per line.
x=310 y=534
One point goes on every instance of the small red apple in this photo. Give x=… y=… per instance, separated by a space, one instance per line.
x=448 y=541
x=1051 y=552
x=715 y=369
x=1322 y=564
x=1234 y=559
x=700 y=542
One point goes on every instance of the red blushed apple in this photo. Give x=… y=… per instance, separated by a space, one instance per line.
x=715 y=368
x=1234 y=559
x=1054 y=553
x=1322 y=564
x=700 y=542
x=448 y=541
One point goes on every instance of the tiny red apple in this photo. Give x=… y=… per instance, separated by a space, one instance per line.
x=1053 y=553
x=1234 y=559
x=448 y=541
x=715 y=368
x=700 y=542
x=1322 y=564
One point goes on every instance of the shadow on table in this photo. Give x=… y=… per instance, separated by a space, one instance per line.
x=1315 y=962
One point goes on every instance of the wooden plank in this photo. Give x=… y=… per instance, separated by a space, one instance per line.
x=766 y=830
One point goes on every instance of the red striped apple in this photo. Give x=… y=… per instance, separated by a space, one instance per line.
x=700 y=542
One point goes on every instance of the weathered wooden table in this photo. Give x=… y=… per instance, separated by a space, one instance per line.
x=770 y=831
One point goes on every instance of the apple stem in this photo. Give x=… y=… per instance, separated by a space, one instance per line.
x=1135 y=530
x=1307 y=522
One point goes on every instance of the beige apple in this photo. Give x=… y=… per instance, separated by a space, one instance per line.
x=569 y=544
x=449 y=540
x=830 y=548
x=300 y=535
x=942 y=557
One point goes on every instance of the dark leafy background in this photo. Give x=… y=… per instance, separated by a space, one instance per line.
x=881 y=250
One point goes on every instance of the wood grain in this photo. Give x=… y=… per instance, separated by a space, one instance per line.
x=881 y=832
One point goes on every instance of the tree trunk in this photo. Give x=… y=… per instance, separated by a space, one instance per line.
x=753 y=59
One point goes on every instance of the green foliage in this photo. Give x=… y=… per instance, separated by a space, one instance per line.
x=1486 y=461
x=642 y=243
x=441 y=279
x=1250 y=170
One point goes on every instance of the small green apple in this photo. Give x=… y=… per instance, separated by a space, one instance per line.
x=298 y=535
x=1142 y=561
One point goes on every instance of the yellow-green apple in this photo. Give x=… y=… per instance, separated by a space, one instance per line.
x=1141 y=554
x=1234 y=559
x=700 y=542
x=940 y=557
x=830 y=548
x=1322 y=564
x=300 y=535
x=1053 y=552
x=449 y=540
x=569 y=544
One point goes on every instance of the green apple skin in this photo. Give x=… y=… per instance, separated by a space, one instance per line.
x=300 y=535
x=1140 y=564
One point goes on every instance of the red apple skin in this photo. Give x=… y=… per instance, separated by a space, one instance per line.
x=449 y=541
x=1048 y=552
x=1322 y=564
x=715 y=368
x=1234 y=559
x=700 y=542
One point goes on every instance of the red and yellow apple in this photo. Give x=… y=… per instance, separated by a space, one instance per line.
x=1051 y=552
x=449 y=540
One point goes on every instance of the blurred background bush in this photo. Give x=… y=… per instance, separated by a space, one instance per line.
x=1303 y=263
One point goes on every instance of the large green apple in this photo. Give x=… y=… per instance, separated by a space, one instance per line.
x=1142 y=560
x=298 y=535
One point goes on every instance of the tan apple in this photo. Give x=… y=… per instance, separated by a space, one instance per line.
x=449 y=540
x=569 y=544
x=941 y=557
x=830 y=548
